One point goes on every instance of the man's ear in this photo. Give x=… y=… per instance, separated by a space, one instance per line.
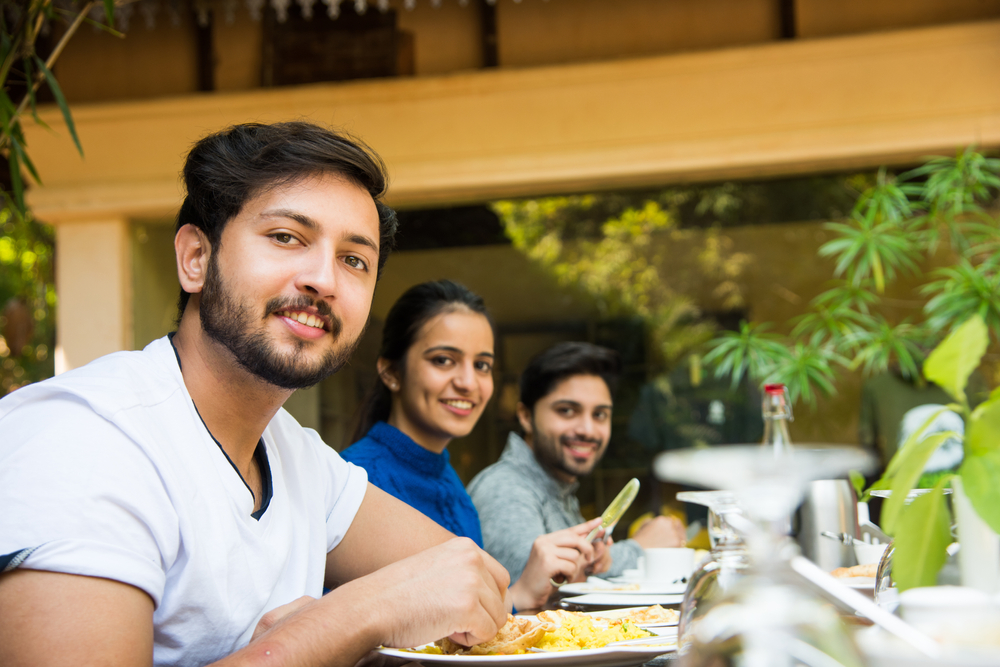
x=193 y=250
x=387 y=374
x=524 y=416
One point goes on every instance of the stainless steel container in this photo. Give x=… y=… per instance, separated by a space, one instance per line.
x=830 y=506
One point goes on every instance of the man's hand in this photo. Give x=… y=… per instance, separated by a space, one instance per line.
x=602 y=556
x=271 y=618
x=661 y=532
x=454 y=590
x=562 y=555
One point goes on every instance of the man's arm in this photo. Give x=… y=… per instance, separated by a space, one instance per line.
x=384 y=530
x=446 y=587
x=58 y=619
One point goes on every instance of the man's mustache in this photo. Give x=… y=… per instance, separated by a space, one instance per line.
x=567 y=439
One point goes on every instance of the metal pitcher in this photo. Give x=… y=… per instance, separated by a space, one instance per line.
x=830 y=506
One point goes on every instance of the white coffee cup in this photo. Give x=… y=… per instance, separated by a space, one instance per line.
x=668 y=565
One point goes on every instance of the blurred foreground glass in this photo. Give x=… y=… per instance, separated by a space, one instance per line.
x=725 y=565
x=768 y=618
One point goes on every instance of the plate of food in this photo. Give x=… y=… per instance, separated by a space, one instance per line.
x=554 y=638
x=621 y=600
x=857 y=576
x=594 y=585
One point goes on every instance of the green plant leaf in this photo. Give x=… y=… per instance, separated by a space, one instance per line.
x=922 y=539
x=912 y=460
x=983 y=432
x=60 y=100
x=979 y=473
x=951 y=363
x=858 y=482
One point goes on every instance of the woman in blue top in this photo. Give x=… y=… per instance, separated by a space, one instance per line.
x=435 y=372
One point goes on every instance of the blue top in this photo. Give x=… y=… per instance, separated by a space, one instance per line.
x=420 y=478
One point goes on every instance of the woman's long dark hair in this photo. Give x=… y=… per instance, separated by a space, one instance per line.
x=411 y=311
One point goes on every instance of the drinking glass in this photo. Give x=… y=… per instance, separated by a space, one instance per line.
x=726 y=563
x=767 y=619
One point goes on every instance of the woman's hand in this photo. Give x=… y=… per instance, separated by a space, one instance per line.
x=563 y=555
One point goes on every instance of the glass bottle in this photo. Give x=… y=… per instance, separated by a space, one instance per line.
x=777 y=412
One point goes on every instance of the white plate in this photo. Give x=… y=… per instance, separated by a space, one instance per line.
x=612 y=614
x=637 y=588
x=622 y=600
x=609 y=656
x=860 y=583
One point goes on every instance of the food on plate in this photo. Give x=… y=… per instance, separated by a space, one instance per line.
x=642 y=615
x=618 y=587
x=575 y=631
x=555 y=630
x=868 y=570
x=654 y=614
x=517 y=635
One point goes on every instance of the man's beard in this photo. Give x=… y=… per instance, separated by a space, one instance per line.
x=551 y=455
x=231 y=324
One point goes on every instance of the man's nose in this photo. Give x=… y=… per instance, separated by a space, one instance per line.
x=586 y=425
x=318 y=274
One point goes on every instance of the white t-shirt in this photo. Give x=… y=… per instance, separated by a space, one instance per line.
x=109 y=471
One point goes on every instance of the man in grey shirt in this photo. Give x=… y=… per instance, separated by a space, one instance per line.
x=565 y=411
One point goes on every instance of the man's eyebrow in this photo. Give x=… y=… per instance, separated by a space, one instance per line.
x=303 y=220
x=360 y=239
x=449 y=348
x=312 y=225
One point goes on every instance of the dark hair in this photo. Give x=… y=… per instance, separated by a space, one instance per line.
x=564 y=360
x=226 y=169
x=411 y=311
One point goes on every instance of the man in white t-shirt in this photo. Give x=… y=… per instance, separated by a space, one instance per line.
x=160 y=507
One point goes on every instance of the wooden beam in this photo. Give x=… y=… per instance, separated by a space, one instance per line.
x=789 y=107
x=787 y=19
x=205 y=58
x=488 y=33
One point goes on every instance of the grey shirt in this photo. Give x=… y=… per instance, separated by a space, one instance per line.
x=518 y=501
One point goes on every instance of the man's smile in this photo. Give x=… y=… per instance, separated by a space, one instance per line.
x=308 y=319
x=581 y=447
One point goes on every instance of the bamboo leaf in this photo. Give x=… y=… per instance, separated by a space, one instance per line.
x=922 y=540
x=60 y=100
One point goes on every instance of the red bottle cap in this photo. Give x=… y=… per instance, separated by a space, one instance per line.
x=774 y=388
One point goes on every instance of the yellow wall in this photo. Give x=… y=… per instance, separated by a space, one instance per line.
x=145 y=63
x=822 y=18
x=566 y=31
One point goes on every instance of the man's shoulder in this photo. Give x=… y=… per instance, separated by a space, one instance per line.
x=501 y=479
x=109 y=384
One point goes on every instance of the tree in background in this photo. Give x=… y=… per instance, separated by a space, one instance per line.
x=614 y=246
x=622 y=248
x=27 y=294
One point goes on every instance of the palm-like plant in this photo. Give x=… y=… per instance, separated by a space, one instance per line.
x=895 y=224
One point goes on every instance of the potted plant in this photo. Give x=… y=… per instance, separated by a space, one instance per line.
x=897 y=225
